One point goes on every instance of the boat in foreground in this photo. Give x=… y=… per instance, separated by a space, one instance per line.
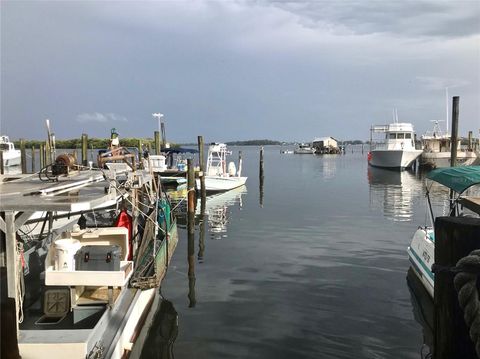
x=11 y=156
x=421 y=251
x=87 y=298
x=397 y=150
x=218 y=177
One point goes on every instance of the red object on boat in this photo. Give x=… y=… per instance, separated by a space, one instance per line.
x=125 y=220
x=369 y=156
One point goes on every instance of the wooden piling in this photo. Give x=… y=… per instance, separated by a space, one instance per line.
x=261 y=178
x=191 y=231
x=201 y=161
x=164 y=135
x=41 y=155
x=455 y=238
x=33 y=159
x=261 y=163
x=23 y=156
x=470 y=140
x=454 y=137
x=84 y=149
x=156 y=136
x=48 y=154
x=2 y=170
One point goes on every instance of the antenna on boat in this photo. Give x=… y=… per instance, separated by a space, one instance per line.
x=395 y=115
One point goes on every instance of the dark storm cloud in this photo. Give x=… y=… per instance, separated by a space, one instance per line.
x=449 y=19
x=234 y=70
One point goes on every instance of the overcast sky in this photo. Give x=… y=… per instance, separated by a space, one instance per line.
x=232 y=70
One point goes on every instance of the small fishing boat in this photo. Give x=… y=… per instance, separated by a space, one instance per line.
x=11 y=156
x=87 y=289
x=437 y=150
x=218 y=177
x=421 y=251
x=304 y=149
x=397 y=150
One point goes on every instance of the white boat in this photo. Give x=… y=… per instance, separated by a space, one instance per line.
x=397 y=150
x=95 y=313
x=11 y=156
x=421 y=251
x=304 y=148
x=218 y=177
x=437 y=150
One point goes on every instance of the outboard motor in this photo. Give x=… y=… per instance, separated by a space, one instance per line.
x=232 y=170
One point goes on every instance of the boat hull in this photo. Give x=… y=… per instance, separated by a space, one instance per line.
x=11 y=158
x=400 y=159
x=442 y=159
x=220 y=184
x=421 y=254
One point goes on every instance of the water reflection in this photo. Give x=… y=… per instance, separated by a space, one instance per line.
x=394 y=192
x=218 y=210
x=423 y=311
x=162 y=332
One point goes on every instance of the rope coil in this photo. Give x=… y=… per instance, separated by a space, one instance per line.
x=465 y=282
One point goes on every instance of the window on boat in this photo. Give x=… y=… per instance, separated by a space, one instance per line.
x=400 y=136
x=4 y=146
x=408 y=136
x=392 y=136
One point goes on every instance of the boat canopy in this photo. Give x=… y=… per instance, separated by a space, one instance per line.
x=456 y=178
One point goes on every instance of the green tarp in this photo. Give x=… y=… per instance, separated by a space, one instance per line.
x=456 y=178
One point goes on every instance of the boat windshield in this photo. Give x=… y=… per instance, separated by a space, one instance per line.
x=4 y=146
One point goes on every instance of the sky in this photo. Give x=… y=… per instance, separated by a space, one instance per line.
x=236 y=70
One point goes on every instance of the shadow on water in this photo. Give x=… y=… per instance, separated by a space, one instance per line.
x=162 y=332
x=423 y=311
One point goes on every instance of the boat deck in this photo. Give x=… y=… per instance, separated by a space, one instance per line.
x=81 y=192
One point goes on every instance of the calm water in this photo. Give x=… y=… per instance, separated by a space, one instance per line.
x=317 y=268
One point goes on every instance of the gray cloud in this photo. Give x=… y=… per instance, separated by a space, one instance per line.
x=100 y=117
x=234 y=70
x=431 y=18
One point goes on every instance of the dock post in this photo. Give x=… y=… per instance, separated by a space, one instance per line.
x=261 y=178
x=455 y=238
x=2 y=170
x=191 y=232
x=41 y=155
x=261 y=162
x=156 y=136
x=454 y=138
x=23 y=155
x=201 y=161
x=33 y=159
x=84 y=149
x=470 y=140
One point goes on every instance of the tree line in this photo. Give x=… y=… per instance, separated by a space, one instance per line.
x=95 y=143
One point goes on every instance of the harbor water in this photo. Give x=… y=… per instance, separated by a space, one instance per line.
x=312 y=265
